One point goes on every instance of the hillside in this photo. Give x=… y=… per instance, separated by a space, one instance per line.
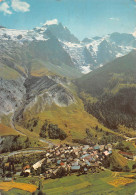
x=69 y=119
x=28 y=101
x=5 y=130
x=117 y=161
x=50 y=99
x=119 y=71
x=36 y=69
x=112 y=89
x=40 y=95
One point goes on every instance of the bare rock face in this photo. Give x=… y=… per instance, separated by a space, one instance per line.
x=49 y=89
x=11 y=95
x=22 y=94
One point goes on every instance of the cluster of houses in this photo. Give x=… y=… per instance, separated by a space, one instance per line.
x=65 y=159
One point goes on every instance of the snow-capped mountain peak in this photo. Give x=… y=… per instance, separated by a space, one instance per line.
x=86 y=55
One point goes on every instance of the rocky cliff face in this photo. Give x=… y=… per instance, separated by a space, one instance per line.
x=50 y=89
x=11 y=95
x=16 y=96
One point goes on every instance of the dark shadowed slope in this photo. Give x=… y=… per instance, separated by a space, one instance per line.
x=114 y=86
x=119 y=71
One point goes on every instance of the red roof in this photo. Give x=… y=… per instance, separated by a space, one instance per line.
x=125 y=153
x=61 y=163
x=26 y=167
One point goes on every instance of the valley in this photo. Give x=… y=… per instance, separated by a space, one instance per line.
x=67 y=112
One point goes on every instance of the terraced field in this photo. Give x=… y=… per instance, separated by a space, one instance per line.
x=104 y=183
x=91 y=184
x=7 y=186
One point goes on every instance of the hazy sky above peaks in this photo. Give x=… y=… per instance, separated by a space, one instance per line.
x=84 y=18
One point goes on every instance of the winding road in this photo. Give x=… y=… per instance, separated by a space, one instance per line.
x=130 y=139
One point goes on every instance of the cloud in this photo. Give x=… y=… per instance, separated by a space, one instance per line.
x=20 y=6
x=115 y=19
x=50 y=22
x=4 y=7
x=134 y=33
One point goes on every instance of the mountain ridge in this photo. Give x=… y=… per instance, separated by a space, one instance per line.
x=37 y=67
x=113 y=87
x=100 y=50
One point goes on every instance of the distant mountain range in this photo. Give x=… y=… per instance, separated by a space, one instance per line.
x=38 y=72
x=56 y=40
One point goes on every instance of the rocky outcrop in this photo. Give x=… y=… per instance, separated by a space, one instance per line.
x=47 y=91
x=11 y=95
x=17 y=96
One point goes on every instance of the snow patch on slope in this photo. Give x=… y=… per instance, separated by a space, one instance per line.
x=95 y=44
x=76 y=53
x=86 y=69
x=21 y=35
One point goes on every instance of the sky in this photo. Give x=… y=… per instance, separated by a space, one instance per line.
x=84 y=18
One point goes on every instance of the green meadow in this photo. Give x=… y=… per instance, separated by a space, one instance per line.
x=103 y=183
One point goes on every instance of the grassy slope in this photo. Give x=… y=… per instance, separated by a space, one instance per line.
x=72 y=119
x=8 y=132
x=40 y=68
x=6 y=119
x=15 y=191
x=8 y=73
x=117 y=159
x=5 y=130
x=110 y=76
x=90 y=184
